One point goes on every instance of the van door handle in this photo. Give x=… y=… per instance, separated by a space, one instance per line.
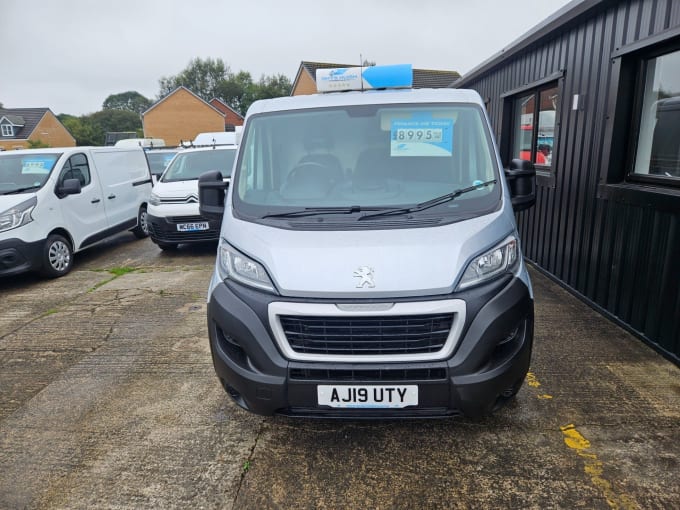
x=111 y=196
x=95 y=201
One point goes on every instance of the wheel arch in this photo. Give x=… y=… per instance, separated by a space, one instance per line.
x=65 y=233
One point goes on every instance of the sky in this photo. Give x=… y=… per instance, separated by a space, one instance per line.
x=70 y=55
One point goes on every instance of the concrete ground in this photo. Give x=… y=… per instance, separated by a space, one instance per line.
x=108 y=400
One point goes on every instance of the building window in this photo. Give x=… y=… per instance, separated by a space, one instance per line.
x=533 y=136
x=7 y=130
x=658 y=139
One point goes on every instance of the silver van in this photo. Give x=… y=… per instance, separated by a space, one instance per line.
x=369 y=264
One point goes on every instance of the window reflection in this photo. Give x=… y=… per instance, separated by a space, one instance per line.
x=532 y=142
x=658 y=147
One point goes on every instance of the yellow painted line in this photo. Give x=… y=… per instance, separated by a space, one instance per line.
x=533 y=382
x=595 y=468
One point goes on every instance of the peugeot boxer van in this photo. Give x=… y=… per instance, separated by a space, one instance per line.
x=369 y=264
x=55 y=202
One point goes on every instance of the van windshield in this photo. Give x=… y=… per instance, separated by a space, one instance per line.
x=24 y=173
x=158 y=161
x=189 y=165
x=366 y=157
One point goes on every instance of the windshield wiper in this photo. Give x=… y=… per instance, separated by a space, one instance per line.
x=430 y=203
x=20 y=190
x=315 y=211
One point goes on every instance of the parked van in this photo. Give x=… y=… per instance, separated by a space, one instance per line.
x=159 y=159
x=56 y=202
x=141 y=142
x=173 y=216
x=369 y=264
x=215 y=138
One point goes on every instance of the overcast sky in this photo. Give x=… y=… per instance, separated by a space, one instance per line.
x=69 y=55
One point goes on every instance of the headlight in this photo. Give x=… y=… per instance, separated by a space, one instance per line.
x=154 y=199
x=18 y=215
x=500 y=259
x=235 y=265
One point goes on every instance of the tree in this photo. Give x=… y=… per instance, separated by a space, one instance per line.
x=237 y=91
x=213 y=78
x=131 y=101
x=37 y=144
x=91 y=129
x=202 y=77
x=273 y=86
x=82 y=129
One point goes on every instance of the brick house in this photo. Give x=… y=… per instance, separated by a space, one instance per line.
x=232 y=118
x=181 y=115
x=305 y=79
x=18 y=126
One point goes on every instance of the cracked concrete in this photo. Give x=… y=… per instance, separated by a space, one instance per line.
x=108 y=399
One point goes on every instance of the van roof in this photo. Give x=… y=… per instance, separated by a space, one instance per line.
x=390 y=96
x=209 y=148
x=71 y=150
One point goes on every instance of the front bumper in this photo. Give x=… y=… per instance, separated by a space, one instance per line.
x=17 y=256
x=487 y=366
x=164 y=229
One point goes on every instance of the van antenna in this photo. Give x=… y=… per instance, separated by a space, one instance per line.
x=361 y=73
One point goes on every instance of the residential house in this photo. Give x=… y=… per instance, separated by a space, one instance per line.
x=180 y=116
x=232 y=118
x=305 y=79
x=18 y=126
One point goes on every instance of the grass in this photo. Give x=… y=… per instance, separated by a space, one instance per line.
x=116 y=272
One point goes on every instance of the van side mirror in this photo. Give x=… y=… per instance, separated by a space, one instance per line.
x=521 y=178
x=69 y=187
x=211 y=193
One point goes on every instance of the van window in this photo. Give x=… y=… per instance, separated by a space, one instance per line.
x=371 y=156
x=25 y=173
x=76 y=168
x=190 y=165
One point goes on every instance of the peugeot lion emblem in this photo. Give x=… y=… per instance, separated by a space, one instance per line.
x=365 y=274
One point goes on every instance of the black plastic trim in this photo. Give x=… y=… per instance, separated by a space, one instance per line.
x=121 y=227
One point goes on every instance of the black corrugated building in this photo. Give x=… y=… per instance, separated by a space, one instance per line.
x=592 y=96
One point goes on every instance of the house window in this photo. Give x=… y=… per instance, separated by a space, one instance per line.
x=533 y=125
x=658 y=139
x=7 y=130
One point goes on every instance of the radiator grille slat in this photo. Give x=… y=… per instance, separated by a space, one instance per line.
x=381 y=335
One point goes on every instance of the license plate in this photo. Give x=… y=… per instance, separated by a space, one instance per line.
x=193 y=227
x=388 y=396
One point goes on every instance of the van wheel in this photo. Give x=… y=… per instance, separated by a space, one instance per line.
x=142 y=229
x=167 y=246
x=57 y=256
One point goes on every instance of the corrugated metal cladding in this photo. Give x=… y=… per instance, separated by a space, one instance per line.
x=609 y=240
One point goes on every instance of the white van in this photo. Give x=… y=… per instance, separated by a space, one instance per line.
x=173 y=216
x=55 y=202
x=369 y=264
x=215 y=138
x=140 y=142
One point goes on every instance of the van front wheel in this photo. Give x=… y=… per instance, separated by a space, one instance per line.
x=142 y=229
x=57 y=256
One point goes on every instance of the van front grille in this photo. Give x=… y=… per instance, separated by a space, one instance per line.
x=368 y=375
x=362 y=336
